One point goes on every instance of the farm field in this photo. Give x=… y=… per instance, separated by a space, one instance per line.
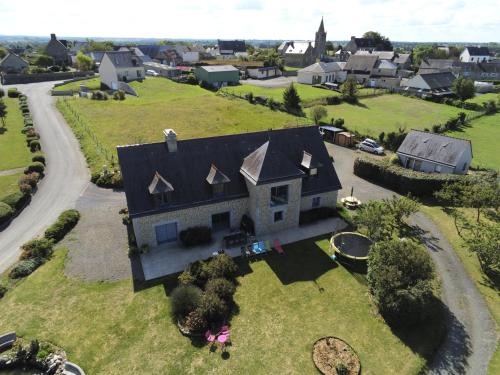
x=13 y=150
x=479 y=99
x=190 y=110
x=285 y=304
x=388 y=113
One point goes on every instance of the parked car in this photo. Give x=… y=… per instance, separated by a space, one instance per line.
x=369 y=145
x=151 y=72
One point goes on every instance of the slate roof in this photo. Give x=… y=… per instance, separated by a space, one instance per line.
x=382 y=55
x=187 y=169
x=309 y=161
x=123 y=59
x=159 y=185
x=438 y=80
x=478 y=51
x=365 y=42
x=434 y=147
x=232 y=45
x=13 y=56
x=436 y=65
x=361 y=63
x=322 y=67
x=385 y=64
x=216 y=177
x=401 y=58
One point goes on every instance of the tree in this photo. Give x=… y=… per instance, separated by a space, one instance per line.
x=329 y=46
x=317 y=113
x=44 y=61
x=291 y=98
x=3 y=52
x=3 y=112
x=401 y=208
x=376 y=219
x=84 y=62
x=485 y=242
x=349 y=89
x=99 y=46
x=401 y=279
x=463 y=88
x=382 y=43
x=184 y=299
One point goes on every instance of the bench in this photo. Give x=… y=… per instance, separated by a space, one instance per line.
x=7 y=340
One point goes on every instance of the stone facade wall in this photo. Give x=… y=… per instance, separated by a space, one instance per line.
x=11 y=79
x=328 y=199
x=144 y=227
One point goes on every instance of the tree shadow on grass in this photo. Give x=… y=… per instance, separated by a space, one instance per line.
x=302 y=261
x=2 y=130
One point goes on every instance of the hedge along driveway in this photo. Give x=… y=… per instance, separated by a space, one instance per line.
x=388 y=113
x=13 y=150
x=190 y=110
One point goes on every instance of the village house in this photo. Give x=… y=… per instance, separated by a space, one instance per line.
x=13 y=63
x=58 y=50
x=263 y=72
x=229 y=49
x=162 y=69
x=218 y=75
x=322 y=72
x=269 y=177
x=435 y=84
x=435 y=153
x=302 y=53
x=360 y=44
x=475 y=55
x=360 y=67
x=120 y=66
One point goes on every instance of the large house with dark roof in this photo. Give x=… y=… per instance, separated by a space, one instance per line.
x=13 y=63
x=475 y=55
x=120 y=66
x=434 y=84
x=269 y=176
x=435 y=153
x=58 y=50
x=360 y=44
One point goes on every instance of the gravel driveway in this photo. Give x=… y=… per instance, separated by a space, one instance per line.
x=472 y=336
x=270 y=83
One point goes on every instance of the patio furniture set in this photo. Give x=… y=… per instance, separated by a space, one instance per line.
x=222 y=337
x=261 y=247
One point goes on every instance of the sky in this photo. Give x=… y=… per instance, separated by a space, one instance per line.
x=400 y=20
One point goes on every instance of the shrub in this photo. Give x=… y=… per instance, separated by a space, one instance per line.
x=16 y=200
x=30 y=178
x=99 y=95
x=249 y=97
x=12 y=92
x=195 y=273
x=317 y=113
x=184 y=299
x=31 y=134
x=27 y=128
x=37 y=248
x=107 y=178
x=395 y=160
x=38 y=157
x=6 y=212
x=65 y=222
x=213 y=308
x=315 y=214
x=119 y=95
x=24 y=268
x=36 y=167
x=35 y=146
x=195 y=236
x=195 y=321
x=3 y=289
x=339 y=123
x=224 y=288
x=333 y=100
x=191 y=79
x=25 y=189
x=222 y=265
x=400 y=276
x=2 y=93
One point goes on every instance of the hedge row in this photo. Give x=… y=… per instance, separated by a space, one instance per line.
x=66 y=221
x=400 y=179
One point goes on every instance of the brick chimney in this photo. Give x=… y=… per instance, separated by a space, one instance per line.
x=170 y=140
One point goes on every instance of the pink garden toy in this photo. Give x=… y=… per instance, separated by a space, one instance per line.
x=209 y=336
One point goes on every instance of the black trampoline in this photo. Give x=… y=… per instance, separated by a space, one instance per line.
x=351 y=245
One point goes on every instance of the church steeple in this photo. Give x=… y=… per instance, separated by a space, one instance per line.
x=320 y=41
x=321 y=26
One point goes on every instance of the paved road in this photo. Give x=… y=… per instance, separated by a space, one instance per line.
x=472 y=336
x=66 y=176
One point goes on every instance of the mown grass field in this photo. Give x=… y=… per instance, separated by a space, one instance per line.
x=92 y=84
x=190 y=110
x=285 y=304
x=8 y=184
x=484 y=133
x=388 y=113
x=479 y=99
x=471 y=264
x=13 y=150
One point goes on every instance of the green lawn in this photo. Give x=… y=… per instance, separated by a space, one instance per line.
x=389 y=112
x=8 y=184
x=13 y=150
x=190 y=110
x=285 y=304
x=479 y=99
x=484 y=133
x=471 y=264
x=92 y=84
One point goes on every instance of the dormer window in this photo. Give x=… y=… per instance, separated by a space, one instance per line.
x=217 y=180
x=161 y=190
x=310 y=164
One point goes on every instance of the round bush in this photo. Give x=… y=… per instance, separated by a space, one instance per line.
x=224 y=288
x=26 y=189
x=13 y=93
x=35 y=146
x=222 y=265
x=38 y=248
x=213 y=308
x=16 y=200
x=24 y=268
x=27 y=129
x=195 y=321
x=36 y=167
x=6 y=212
x=39 y=157
x=184 y=299
x=29 y=178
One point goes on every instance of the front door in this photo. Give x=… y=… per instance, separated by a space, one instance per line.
x=166 y=233
x=221 y=221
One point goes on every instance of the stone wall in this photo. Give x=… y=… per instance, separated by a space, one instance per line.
x=12 y=79
x=144 y=227
x=328 y=199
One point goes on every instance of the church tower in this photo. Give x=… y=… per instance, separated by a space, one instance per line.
x=320 y=41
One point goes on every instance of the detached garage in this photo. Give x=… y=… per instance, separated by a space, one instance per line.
x=218 y=75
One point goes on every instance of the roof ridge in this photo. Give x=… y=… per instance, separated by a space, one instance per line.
x=441 y=135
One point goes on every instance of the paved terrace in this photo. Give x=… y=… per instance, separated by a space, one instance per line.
x=167 y=259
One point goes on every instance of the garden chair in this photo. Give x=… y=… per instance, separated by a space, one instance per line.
x=267 y=245
x=278 y=248
x=210 y=336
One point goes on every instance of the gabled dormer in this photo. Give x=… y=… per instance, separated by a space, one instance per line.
x=310 y=164
x=218 y=181
x=161 y=190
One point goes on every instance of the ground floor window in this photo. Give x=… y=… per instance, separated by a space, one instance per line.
x=166 y=233
x=278 y=216
x=316 y=201
x=221 y=221
x=437 y=169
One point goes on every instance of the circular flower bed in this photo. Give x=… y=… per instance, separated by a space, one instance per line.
x=333 y=356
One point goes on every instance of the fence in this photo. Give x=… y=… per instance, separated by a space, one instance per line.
x=79 y=121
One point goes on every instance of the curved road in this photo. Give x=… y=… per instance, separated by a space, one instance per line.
x=66 y=175
x=472 y=337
